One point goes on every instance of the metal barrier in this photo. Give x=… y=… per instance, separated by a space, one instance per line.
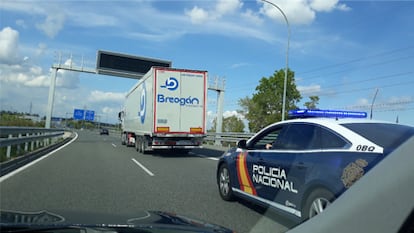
x=230 y=137
x=10 y=136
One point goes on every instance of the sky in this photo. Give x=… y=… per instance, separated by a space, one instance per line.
x=352 y=54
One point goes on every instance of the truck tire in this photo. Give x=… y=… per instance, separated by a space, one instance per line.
x=317 y=201
x=123 y=139
x=138 y=144
x=144 y=145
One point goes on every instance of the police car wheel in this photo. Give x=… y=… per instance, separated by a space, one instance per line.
x=316 y=203
x=224 y=183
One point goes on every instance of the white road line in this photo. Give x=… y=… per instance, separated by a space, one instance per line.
x=143 y=168
x=113 y=145
x=212 y=158
x=8 y=175
x=205 y=157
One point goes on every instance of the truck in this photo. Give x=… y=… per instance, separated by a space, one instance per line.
x=166 y=109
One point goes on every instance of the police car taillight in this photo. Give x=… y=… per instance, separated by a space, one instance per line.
x=307 y=113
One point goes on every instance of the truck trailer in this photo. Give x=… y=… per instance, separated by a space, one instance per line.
x=166 y=109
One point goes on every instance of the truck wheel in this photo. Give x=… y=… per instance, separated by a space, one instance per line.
x=316 y=203
x=224 y=183
x=144 y=145
x=123 y=139
x=138 y=144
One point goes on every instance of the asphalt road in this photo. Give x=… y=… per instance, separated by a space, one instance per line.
x=96 y=174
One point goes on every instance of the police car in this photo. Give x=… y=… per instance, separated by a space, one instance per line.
x=300 y=166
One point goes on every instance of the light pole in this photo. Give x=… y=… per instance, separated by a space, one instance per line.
x=287 y=59
x=373 y=101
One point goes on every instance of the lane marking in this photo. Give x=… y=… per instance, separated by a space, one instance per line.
x=113 y=145
x=210 y=158
x=5 y=177
x=203 y=156
x=143 y=168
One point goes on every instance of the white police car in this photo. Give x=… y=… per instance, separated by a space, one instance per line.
x=298 y=167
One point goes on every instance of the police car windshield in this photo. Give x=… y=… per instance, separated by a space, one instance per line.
x=388 y=136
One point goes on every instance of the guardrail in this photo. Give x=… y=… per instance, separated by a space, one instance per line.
x=10 y=135
x=228 y=137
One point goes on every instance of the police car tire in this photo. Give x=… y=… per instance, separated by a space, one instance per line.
x=323 y=194
x=229 y=196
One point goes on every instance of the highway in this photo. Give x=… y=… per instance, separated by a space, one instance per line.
x=96 y=174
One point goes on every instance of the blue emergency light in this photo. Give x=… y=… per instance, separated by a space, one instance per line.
x=306 y=113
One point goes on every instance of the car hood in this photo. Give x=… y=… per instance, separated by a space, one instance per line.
x=149 y=221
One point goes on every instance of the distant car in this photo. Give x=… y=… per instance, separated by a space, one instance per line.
x=104 y=131
x=299 y=167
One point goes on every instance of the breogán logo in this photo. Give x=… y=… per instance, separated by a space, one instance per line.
x=143 y=105
x=171 y=84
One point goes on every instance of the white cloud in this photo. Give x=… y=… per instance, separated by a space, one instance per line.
x=343 y=7
x=389 y=103
x=222 y=7
x=323 y=5
x=108 y=110
x=95 y=19
x=100 y=96
x=9 y=40
x=362 y=101
x=21 y=23
x=313 y=89
x=297 y=12
x=227 y=6
x=233 y=113
x=41 y=49
x=251 y=16
x=18 y=75
x=38 y=81
x=300 y=11
x=197 y=15
x=52 y=24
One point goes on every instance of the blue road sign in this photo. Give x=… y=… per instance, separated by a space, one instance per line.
x=89 y=115
x=78 y=114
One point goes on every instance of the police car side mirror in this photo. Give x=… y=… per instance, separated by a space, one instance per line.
x=242 y=144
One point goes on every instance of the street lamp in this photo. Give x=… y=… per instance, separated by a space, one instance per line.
x=373 y=101
x=287 y=58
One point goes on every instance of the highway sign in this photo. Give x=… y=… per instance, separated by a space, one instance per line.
x=89 y=115
x=123 y=65
x=78 y=114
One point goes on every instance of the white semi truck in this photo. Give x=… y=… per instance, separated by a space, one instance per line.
x=166 y=109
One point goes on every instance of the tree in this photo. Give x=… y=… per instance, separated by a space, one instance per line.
x=233 y=124
x=265 y=106
x=230 y=124
x=314 y=100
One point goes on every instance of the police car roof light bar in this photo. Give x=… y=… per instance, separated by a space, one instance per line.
x=306 y=113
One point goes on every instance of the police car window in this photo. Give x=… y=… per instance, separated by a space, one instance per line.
x=330 y=140
x=267 y=137
x=297 y=137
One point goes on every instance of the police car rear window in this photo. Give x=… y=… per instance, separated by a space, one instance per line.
x=388 y=136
